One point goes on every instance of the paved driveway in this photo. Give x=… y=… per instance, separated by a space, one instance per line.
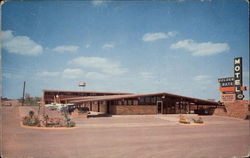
x=126 y=137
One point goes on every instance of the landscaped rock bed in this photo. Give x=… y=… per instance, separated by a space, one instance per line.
x=45 y=118
x=184 y=120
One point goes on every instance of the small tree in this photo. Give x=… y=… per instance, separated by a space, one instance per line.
x=31 y=120
x=46 y=118
x=31 y=114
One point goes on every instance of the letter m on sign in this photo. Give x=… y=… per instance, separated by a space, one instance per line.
x=237 y=60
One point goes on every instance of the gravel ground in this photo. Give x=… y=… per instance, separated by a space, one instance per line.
x=122 y=137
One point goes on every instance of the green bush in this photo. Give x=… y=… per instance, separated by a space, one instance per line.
x=71 y=124
x=31 y=121
x=31 y=114
x=185 y=122
x=199 y=120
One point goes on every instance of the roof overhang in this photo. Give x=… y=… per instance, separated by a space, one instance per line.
x=166 y=95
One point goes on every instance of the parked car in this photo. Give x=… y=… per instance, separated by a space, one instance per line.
x=202 y=112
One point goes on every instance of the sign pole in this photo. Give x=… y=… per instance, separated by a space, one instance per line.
x=238 y=78
x=23 y=92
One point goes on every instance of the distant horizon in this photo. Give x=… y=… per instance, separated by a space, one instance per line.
x=177 y=47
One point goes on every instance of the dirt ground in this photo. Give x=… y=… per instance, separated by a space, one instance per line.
x=153 y=136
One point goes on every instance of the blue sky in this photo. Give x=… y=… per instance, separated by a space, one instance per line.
x=142 y=47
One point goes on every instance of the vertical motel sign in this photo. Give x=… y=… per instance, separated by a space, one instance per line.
x=238 y=78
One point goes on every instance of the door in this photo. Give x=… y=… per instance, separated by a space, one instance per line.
x=170 y=107
x=159 y=107
x=108 y=107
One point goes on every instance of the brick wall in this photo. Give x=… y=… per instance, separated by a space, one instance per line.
x=76 y=114
x=133 y=109
x=94 y=107
x=237 y=109
x=103 y=108
x=220 y=111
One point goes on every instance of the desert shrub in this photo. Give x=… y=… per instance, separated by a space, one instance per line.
x=45 y=118
x=68 y=121
x=199 y=120
x=71 y=124
x=31 y=121
x=56 y=122
x=31 y=114
x=26 y=120
x=184 y=120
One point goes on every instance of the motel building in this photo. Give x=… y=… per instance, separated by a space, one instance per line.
x=231 y=100
x=128 y=103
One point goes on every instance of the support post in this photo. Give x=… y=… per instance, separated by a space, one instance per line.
x=90 y=105
x=98 y=106
x=189 y=108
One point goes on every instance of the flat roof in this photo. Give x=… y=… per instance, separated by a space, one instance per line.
x=49 y=90
x=116 y=97
x=85 y=97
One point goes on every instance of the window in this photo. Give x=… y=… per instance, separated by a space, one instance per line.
x=141 y=101
x=153 y=100
x=159 y=98
x=125 y=102
x=147 y=100
x=116 y=102
x=129 y=102
x=135 y=102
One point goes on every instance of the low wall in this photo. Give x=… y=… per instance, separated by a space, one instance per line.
x=237 y=109
x=76 y=114
x=133 y=109
x=220 y=111
x=94 y=107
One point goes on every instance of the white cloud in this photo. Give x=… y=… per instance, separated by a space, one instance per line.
x=16 y=75
x=20 y=44
x=96 y=75
x=108 y=46
x=7 y=35
x=172 y=33
x=72 y=73
x=201 y=77
x=7 y=75
x=150 y=37
x=87 y=45
x=97 y=2
x=66 y=48
x=102 y=64
x=147 y=75
x=48 y=74
x=201 y=49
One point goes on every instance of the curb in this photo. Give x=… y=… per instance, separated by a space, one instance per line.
x=192 y=124
x=49 y=128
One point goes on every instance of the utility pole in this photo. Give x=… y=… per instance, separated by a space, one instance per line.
x=23 y=92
